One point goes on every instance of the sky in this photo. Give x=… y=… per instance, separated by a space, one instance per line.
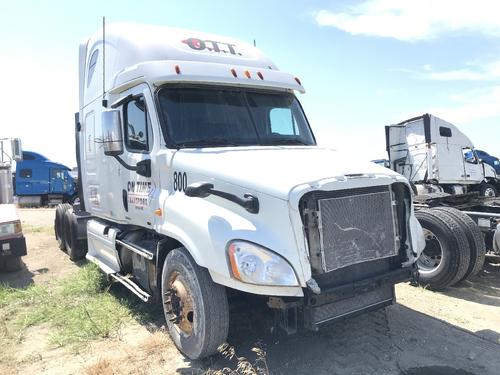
x=365 y=64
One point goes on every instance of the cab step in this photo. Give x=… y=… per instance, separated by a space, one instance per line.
x=131 y=285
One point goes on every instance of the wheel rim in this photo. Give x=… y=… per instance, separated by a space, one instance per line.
x=489 y=192
x=179 y=304
x=431 y=258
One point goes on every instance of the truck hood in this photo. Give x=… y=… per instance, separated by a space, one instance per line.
x=273 y=170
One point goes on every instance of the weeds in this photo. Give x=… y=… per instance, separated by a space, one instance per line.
x=77 y=309
x=243 y=365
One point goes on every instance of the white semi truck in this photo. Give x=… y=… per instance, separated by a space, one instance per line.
x=436 y=156
x=201 y=178
x=455 y=198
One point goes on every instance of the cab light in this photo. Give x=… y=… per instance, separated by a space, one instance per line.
x=177 y=69
x=260 y=75
x=233 y=71
x=247 y=74
x=298 y=81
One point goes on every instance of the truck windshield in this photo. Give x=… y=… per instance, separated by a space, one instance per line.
x=214 y=117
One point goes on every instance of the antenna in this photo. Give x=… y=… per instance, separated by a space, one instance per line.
x=104 y=101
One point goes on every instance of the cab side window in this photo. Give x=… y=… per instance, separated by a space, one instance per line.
x=469 y=156
x=137 y=126
x=26 y=173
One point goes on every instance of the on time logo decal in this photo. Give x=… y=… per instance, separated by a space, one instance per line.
x=211 y=45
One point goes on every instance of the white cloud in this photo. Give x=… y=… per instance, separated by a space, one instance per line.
x=489 y=71
x=414 y=20
x=471 y=107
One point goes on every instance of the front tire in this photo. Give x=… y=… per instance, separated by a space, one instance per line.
x=196 y=309
x=488 y=190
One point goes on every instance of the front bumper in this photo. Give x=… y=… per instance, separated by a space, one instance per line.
x=339 y=302
x=13 y=247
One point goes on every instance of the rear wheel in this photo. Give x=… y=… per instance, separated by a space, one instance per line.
x=196 y=309
x=474 y=237
x=10 y=264
x=58 y=224
x=74 y=247
x=445 y=259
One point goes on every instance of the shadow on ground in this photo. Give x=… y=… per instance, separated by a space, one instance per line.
x=483 y=288
x=396 y=340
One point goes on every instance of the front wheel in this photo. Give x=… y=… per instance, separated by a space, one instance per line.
x=488 y=190
x=196 y=309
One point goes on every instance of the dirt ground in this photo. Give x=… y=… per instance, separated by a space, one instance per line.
x=425 y=333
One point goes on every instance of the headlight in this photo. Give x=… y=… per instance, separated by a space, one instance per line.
x=255 y=264
x=10 y=228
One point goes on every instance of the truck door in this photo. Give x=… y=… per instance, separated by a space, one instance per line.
x=57 y=181
x=473 y=171
x=137 y=191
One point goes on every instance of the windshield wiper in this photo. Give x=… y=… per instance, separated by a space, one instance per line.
x=207 y=142
x=284 y=141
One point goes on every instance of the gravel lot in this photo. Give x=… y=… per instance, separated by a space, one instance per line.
x=454 y=332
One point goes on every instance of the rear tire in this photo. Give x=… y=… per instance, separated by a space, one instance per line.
x=446 y=257
x=488 y=190
x=10 y=264
x=58 y=225
x=474 y=237
x=73 y=246
x=196 y=309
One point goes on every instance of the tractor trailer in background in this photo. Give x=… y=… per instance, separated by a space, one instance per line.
x=455 y=197
x=12 y=241
x=41 y=182
x=200 y=179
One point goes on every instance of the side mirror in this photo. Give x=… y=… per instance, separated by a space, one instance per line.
x=112 y=138
x=17 y=149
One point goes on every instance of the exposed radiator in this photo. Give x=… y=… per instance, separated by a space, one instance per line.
x=357 y=228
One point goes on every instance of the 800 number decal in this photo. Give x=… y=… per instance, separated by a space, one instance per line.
x=180 y=181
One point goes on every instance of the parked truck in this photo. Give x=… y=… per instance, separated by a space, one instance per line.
x=436 y=156
x=12 y=241
x=455 y=198
x=201 y=179
x=41 y=182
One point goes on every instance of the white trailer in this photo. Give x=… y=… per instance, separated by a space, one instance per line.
x=12 y=241
x=437 y=157
x=200 y=175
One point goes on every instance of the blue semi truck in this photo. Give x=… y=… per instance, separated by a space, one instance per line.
x=41 y=182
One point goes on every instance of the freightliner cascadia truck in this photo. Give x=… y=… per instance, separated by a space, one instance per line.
x=201 y=179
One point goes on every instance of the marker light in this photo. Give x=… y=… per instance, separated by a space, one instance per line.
x=234 y=73
x=255 y=264
x=247 y=74
x=260 y=75
x=298 y=81
x=177 y=69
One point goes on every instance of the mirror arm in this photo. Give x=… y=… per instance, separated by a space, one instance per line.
x=125 y=165
x=205 y=189
x=124 y=100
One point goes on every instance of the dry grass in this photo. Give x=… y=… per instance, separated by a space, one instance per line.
x=149 y=354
